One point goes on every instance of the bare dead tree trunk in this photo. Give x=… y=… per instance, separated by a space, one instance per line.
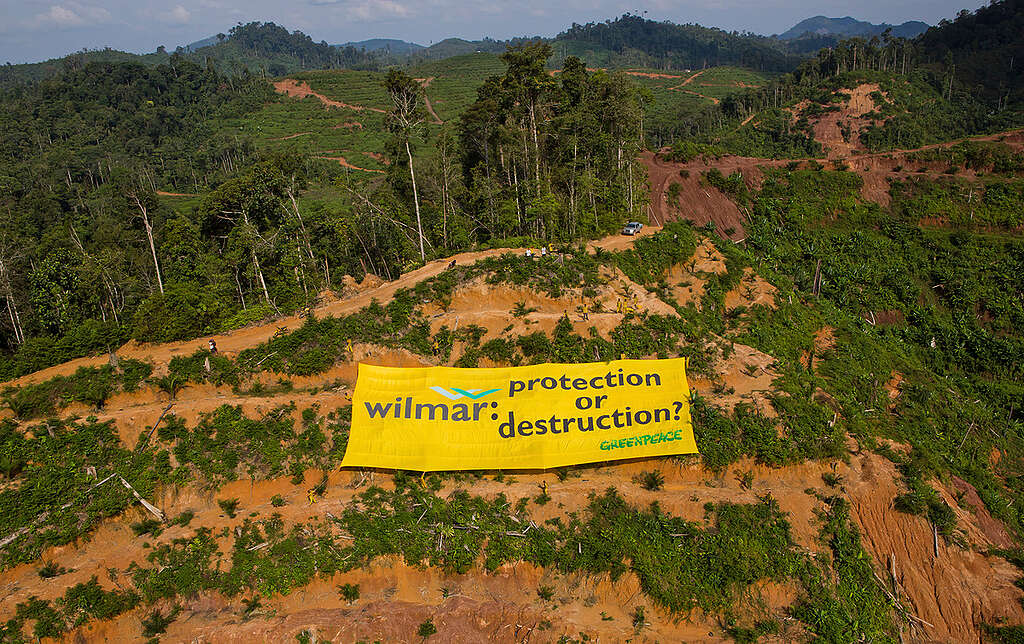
x=241 y=296
x=149 y=235
x=415 y=199
x=298 y=216
x=536 y=145
x=259 y=274
x=12 y=307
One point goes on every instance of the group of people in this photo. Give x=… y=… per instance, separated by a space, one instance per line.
x=631 y=305
x=543 y=252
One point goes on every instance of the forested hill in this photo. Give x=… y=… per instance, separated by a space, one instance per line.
x=269 y=49
x=850 y=28
x=956 y=80
x=262 y=48
x=983 y=51
x=683 y=46
x=91 y=254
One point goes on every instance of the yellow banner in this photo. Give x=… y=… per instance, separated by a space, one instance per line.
x=534 y=417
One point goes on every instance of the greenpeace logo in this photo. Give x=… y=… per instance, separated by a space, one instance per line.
x=456 y=393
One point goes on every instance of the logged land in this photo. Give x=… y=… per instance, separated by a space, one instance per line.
x=949 y=589
x=698 y=201
x=851 y=322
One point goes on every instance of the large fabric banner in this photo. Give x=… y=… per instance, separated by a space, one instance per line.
x=534 y=417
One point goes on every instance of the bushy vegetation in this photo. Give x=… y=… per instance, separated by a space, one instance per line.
x=956 y=355
x=90 y=386
x=990 y=203
x=80 y=603
x=681 y=565
x=58 y=466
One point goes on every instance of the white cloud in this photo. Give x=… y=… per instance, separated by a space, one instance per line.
x=73 y=14
x=368 y=9
x=179 y=15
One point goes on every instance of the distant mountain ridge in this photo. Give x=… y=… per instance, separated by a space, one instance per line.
x=848 y=27
x=199 y=44
x=392 y=45
x=628 y=41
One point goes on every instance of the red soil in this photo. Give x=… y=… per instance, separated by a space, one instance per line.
x=345 y=164
x=298 y=89
x=425 y=83
x=953 y=592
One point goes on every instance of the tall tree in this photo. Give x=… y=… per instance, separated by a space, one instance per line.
x=403 y=120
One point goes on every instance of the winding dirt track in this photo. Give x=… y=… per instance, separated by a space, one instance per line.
x=298 y=89
x=689 y=79
x=425 y=83
x=345 y=164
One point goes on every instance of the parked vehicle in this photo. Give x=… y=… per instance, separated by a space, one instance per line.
x=632 y=228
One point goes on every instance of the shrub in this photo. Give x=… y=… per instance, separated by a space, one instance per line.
x=157 y=622
x=50 y=569
x=148 y=526
x=229 y=506
x=639 y=618
x=653 y=480
x=426 y=629
x=349 y=592
x=184 y=518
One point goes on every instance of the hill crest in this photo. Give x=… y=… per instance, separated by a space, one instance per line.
x=848 y=27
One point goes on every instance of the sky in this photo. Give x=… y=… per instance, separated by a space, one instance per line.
x=33 y=30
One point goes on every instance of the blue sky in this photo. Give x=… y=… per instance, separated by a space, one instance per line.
x=32 y=30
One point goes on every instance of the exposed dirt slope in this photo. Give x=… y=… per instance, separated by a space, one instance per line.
x=950 y=593
x=701 y=203
x=850 y=116
x=298 y=89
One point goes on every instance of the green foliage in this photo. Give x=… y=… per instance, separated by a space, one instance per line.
x=850 y=605
x=80 y=603
x=225 y=444
x=39 y=352
x=722 y=439
x=731 y=185
x=1005 y=634
x=652 y=481
x=56 y=500
x=996 y=203
x=349 y=592
x=51 y=569
x=157 y=622
x=184 y=518
x=182 y=568
x=148 y=526
x=426 y=629
x=961 y=335
x=639 y=618
x=184 y=369
x=228 y=506
x=87 y=385
x=181 y=312
x=686 y=151
x=987 y=156
x=651 y=256
x=665 y=45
